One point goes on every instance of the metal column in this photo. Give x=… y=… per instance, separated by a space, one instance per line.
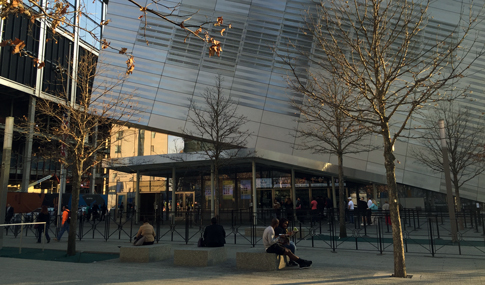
x=137 y=196
x=27 y=161
x=253 y=184
x=293 y=192
x=6 y=156
x=174 y=188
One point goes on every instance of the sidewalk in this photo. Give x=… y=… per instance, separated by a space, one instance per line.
x=343 y=267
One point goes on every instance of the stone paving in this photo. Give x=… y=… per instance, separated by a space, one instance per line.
x=342 y=267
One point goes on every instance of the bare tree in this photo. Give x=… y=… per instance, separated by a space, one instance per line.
x=464 y=138
x=73 y=126
x=62 y=14
x=217 y=123
x=324 y=128
x=379 y=49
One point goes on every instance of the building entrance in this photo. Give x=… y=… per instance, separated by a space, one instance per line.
x=185 y=200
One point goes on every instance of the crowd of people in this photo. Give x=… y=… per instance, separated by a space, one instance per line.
x=319 y=208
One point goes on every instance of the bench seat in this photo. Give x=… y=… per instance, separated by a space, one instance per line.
x=258 y=259
x=145 y=253
x=199 y=256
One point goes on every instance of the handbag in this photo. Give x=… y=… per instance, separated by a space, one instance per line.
x=139 y=241
x=200 y=243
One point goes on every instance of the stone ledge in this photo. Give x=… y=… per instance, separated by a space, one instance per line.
x=145 y=253
x=259 y=259
x=199 y=256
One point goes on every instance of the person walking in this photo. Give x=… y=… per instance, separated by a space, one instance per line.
x=362 y=207
x=385 y=208
x=43 y=216
x=277 y=208
x=104 y=210
x=9 y=212
x=66 y=220
x=369 y=211
x=350 y=207
x=314 y=210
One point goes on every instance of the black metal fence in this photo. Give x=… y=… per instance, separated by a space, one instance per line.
x=423 y=232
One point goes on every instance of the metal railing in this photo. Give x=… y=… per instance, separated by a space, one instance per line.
x=21 y=225
x=423 y=231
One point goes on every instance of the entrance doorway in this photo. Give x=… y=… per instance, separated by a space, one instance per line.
x=185 y=200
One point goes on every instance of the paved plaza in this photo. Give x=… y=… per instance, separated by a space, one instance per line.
x=342 y=267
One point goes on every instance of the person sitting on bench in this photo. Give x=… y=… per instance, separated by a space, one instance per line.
x=214 y=235
x=272 y=245
x=146 y=234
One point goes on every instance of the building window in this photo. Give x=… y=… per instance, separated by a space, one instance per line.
x=117 y=148
x=153 y=135
x=152 y=148
x=119 y=135
x=142 y=134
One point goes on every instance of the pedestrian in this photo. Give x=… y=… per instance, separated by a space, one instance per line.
x=329 y=208
x=385 y=208
x=277 y=208
x=43 y=216
x=300 y=215
x=104 y=210
x=289 y=208
x=320 y=206
x=9 y=212
x=369 y=211
x=362 y=207
x=129 y=208
x=95 y=211
x=350 y=208
x=121 y=207
x=66 y=220
x=374 y=208
x=272 y=245
x=314 y=209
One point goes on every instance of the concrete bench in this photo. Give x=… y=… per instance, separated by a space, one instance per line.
x=199 y=256
x=145 y=253
x=258 y=259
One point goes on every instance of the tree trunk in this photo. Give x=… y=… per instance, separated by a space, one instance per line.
x=341 y=193
x=216 y=190
x=76 y=187
x=459 y=217
x=399 y=259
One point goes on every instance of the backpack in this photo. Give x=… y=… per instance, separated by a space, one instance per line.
x=68 y=216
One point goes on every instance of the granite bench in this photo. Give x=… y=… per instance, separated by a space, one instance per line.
x=259 y=259
x=145 y=253
x=199 y=256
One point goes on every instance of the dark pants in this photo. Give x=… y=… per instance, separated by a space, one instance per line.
x=40 y=230
x=369 y=215
x=351 y=216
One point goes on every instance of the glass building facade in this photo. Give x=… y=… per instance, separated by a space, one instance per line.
x=171 y=71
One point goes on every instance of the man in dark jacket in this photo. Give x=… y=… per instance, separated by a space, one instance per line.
x=214 y=235
x=9 y=212
x=362 y=206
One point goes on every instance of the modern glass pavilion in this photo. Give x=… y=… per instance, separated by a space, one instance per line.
x=171 y=72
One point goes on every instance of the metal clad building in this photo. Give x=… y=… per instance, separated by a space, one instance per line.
x=169 y=73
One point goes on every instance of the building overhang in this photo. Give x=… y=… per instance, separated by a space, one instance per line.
x=184 y=163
